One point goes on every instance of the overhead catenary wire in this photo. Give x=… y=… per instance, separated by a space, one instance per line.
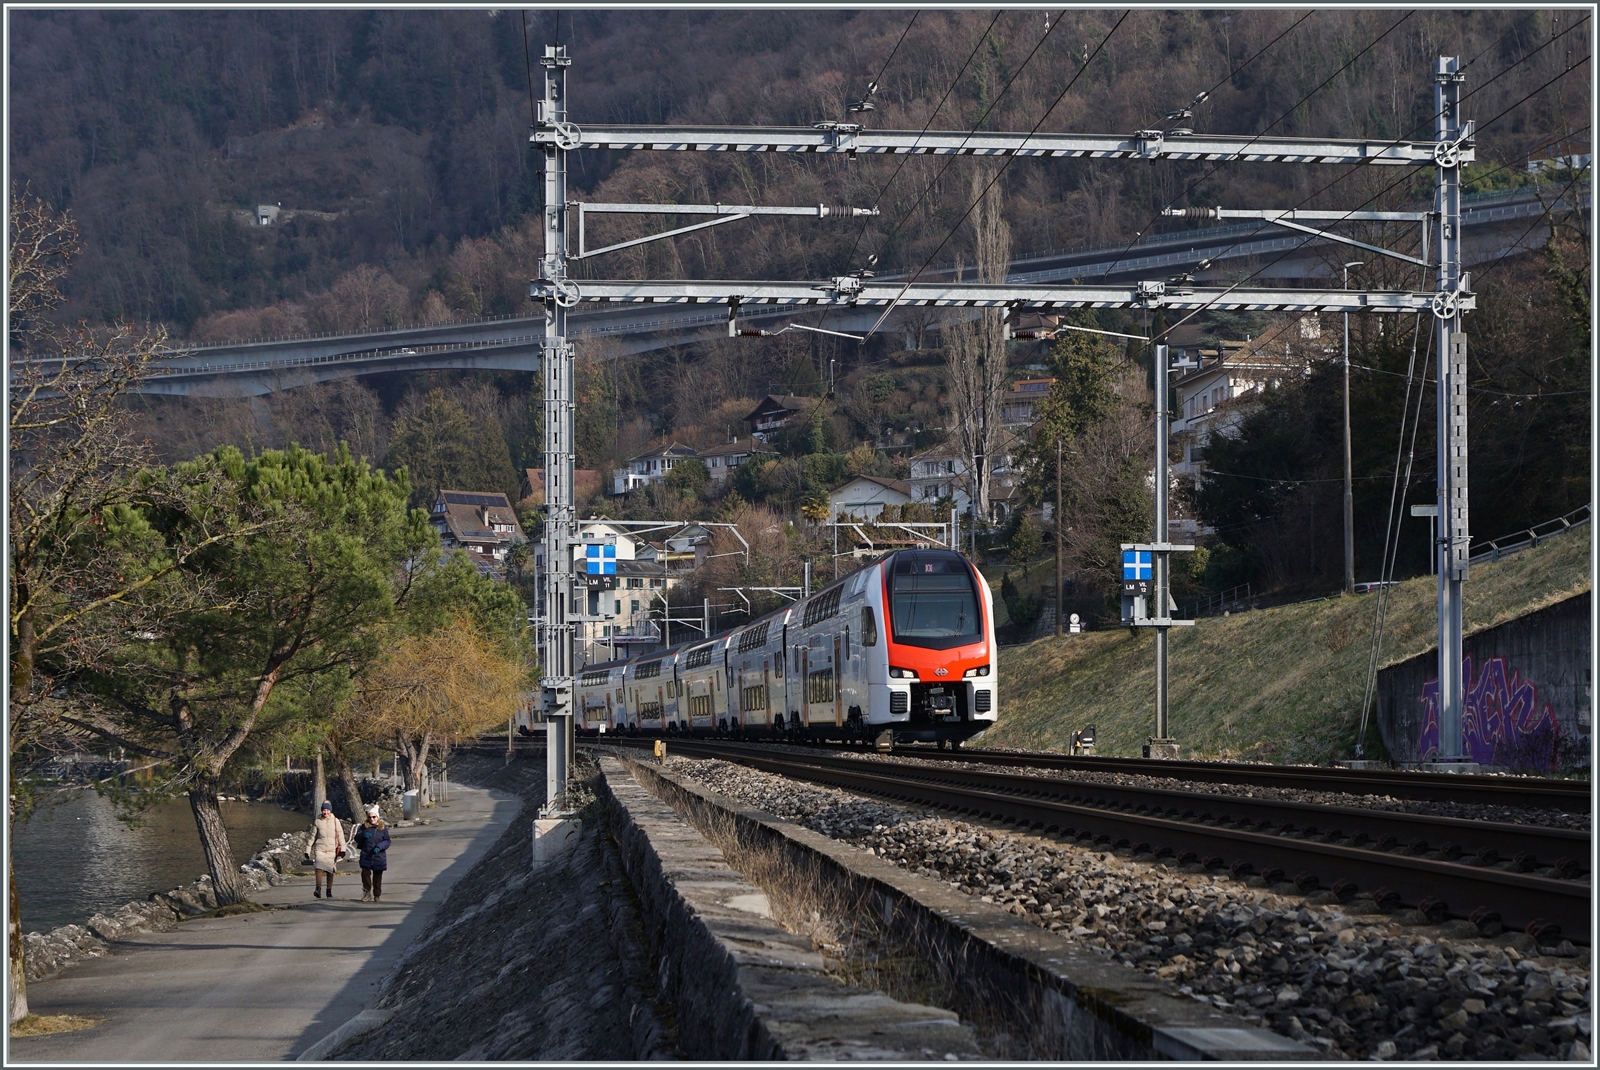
x=1403 y=179
x=901 y=163
x=970 y=132
x=1523 y=236
x=1263 y=132
x=1001 y=170
x=1398 y=182
x=1421 y=126
x=1391 y=552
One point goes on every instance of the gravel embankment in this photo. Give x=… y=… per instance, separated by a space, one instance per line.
x=1345 y=978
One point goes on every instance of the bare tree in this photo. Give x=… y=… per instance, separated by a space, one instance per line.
x=975 y=350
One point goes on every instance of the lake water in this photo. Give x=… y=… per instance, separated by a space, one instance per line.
x=77 y=858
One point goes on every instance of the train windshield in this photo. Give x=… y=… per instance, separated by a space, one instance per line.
x=932 y=601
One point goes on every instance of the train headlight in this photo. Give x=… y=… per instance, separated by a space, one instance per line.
x=902 y=674
x=982 y=670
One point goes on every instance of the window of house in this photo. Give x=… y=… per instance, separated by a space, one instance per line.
x=618 y=611
x=635 y=605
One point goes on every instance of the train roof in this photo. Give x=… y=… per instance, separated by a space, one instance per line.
x=765 y=617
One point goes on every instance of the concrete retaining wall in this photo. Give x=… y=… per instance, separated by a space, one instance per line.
x=1527 y=701
x=742 y=988
x=1032 y=993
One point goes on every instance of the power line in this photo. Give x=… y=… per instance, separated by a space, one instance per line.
x=1288 y=112
x=1369 y=200
x=1399 y=181
x=925 y=127
x=1002 y=168
x=527 y=60
x=1380 y=612
x=1542 y=217
x=974 y=129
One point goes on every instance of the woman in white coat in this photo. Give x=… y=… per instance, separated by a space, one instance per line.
x=327 y=846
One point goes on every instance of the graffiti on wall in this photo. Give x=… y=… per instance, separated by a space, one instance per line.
x=1502 y=722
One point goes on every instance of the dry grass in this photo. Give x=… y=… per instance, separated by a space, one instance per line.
x=43 y=1025
x=1280 y=685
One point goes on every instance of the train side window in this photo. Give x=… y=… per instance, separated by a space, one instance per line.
x=847 y=642
x=869 y=627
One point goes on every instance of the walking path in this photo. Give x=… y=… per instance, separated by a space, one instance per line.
x=265 y=986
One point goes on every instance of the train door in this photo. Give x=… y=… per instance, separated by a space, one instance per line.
x=839 y=691
x=802 y=677
x=766 y=690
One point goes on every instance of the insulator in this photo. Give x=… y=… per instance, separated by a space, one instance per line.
x=1200 y=213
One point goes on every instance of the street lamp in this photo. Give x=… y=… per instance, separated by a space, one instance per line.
x=1349 y=497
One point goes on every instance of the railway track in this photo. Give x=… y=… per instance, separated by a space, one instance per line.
x=1567 y=795
x=1444 y=866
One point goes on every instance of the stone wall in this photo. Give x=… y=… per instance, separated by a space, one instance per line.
x=47 y=954
x=1527 y=694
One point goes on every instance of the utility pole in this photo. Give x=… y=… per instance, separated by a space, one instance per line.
x=1163 y=738
x=1152 y=562
x=1349 y=495
x=1453 y=540
x=555 y=136
x=1058 y=538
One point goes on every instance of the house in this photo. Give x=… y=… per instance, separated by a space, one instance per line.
x=1223 y=386
x=939 y=473
x=864 y=497
x=942 y=473
x=776 y=413
x=622 y=586
x=483 y=524
x=585 y=485
x=649 y=467
x=720 y=461
x=1216 y=394
x=532 y=492
x=1020 y=407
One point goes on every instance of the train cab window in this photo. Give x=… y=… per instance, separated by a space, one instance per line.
x=932 y=601
x=869 y=627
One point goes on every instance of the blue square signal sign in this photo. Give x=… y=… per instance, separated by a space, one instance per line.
x=1135 y=565
x=600 y=560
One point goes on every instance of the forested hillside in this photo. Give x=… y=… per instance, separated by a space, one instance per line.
x=397 y=140
x=411 y=127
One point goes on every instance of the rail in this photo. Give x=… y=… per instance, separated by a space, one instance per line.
x=1324 y=847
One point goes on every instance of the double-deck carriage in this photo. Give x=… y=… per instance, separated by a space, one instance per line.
x=902 y=647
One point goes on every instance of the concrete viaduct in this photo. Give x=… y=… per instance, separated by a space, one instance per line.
x=1495 y=222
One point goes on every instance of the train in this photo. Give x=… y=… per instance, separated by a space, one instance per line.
x=900 y=650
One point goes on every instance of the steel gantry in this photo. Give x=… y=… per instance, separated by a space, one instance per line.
x=851 y=139
x=1449 y=150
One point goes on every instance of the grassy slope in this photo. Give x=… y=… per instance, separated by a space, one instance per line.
x=1275 y=685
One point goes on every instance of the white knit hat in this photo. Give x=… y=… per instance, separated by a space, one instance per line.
x=372 y=810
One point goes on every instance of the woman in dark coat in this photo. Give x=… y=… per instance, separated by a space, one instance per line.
x=372 y=839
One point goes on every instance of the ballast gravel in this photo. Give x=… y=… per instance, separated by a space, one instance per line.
x=1347 y=978
x=1466 y=811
